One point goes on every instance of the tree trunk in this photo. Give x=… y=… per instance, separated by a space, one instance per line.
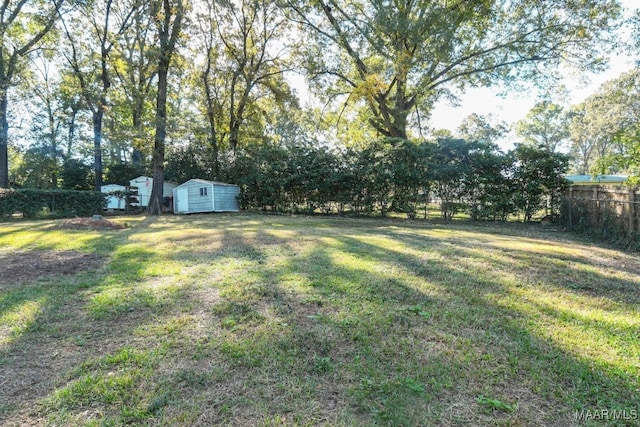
x=71 y=135
x=167 y=34
x=4 y=140
x=53 y=135
x=211 y=117
x=155 y=202
x=97 y=147
x=136 y=114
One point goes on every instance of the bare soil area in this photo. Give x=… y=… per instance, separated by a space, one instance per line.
x=18 y=267
x=90 y=223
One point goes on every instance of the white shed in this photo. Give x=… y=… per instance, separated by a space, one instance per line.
x=144 y=184
x=114 y=201
x=198 y=195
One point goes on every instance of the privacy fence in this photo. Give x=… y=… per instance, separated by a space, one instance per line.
x=608 y=212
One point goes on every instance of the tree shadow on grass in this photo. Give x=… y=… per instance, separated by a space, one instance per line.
x=378 y=349
x=92 y=314
x=594 y=381
x=48 y=327
x=312 y=328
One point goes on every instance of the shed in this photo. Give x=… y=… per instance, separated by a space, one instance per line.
x=114 y=201
x=199 y=195
x=144 y=184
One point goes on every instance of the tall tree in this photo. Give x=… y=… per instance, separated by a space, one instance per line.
x=583 y=139
x=615 y=110
x=168 y=16
x=40 y=87
x=246 y=57
x=546 y=125
x=93 y=73
x=23 y=24
x=480 y=129
x=135 y=68
x=397 y=57
x=603 y=127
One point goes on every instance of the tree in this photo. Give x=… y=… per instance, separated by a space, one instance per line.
x=92 y=74
x=37 y=167
x=75 y=175
x=412 y=176
x=539 y=178
x=546 y=125
x=604 y=126
x=23 y=25
x=583 y=140
x=135 y=68
x=244 y=64
x=623 y=107
x=40 y=88
x=489 y=183
x=478 y=128
x=399 y=57
x=451 y=165
x=168 y=17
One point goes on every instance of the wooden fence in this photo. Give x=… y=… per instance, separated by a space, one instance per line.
x=610 y=212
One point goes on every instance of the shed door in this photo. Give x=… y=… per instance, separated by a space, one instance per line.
x=183 y=199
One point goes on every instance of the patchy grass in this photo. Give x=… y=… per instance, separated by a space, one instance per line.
x=272 y=320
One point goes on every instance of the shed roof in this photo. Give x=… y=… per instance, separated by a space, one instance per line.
x=144 y=178
x=204 y=181
x=597 y=178
x=111 y=186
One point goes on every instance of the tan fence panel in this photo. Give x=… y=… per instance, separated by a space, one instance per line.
x=612 y=212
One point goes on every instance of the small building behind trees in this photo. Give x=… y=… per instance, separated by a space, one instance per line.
x=115 y=196
x=143 y=185
x=199 y=195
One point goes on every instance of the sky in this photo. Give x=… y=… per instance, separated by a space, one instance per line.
x=512 y=108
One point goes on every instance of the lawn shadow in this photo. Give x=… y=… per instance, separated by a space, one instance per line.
x=47 y=326
x=336 y=331
x=309 y=324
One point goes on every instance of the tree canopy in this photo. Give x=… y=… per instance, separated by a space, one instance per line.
x=197 y=86
x=397 y=57
x=547 y=125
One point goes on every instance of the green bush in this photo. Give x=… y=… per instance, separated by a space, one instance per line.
x=32 y=203
x=397 y=176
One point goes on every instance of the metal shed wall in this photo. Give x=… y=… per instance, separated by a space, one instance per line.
x=225 y=198
x=198 y=202
x=205 y=196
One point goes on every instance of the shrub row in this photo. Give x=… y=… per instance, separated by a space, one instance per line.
x=401 y=176
x=32 y=203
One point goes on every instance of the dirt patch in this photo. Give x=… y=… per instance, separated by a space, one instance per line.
x=17 y=267
x=97 y=223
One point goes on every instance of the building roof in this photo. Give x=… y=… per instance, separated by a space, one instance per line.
x=108 y=186
x=144 y=178
x=204 y=181
x=596 y=179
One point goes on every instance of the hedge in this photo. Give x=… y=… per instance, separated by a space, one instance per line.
x=32 y=203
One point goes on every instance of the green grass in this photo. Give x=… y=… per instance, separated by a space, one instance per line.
x=276 y=320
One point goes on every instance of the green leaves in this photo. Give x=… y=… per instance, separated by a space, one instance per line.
x=398 y=175
x=394 y=56
x=547 y=124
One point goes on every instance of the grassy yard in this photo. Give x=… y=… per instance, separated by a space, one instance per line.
x=274 y=320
